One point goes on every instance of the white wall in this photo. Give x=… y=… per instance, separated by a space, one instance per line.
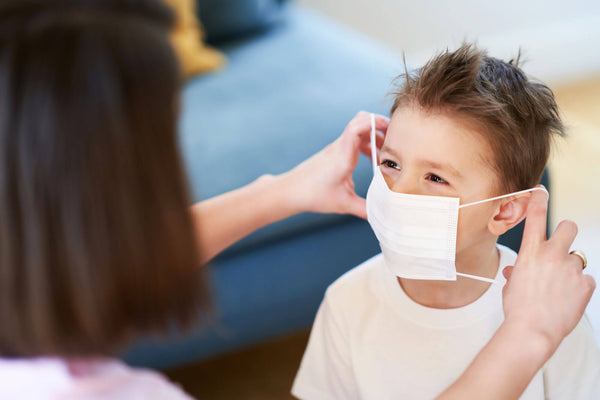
x=560 y=39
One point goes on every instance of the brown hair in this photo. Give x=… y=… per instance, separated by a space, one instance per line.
x=517 y=117
x=96 y=241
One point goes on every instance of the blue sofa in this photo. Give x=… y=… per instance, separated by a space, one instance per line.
x=285 y=93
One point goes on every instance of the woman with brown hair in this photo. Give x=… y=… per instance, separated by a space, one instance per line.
x=97 y=240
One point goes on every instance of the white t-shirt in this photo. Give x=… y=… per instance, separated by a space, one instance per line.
x=371 y=341
x=93 y=379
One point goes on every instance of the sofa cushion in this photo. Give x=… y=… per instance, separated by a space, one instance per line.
x=282 y=97
x=264 y=293
x=225 y=19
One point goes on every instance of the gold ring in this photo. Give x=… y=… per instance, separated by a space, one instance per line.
x=580 y=255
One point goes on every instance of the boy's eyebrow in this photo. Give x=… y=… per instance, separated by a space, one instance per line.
x=445 y=167
x=432 y=164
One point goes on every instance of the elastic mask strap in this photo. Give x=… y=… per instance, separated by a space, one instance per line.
x=373 y=143
x=478 y=278
x=506 y=195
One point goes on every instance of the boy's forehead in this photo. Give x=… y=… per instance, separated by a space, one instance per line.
x=436 y=140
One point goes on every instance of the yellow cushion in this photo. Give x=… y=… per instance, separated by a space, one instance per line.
x=187 y=38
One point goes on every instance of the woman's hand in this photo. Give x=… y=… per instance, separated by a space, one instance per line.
x=323 y=183
x=544 y=299
x=547 y=292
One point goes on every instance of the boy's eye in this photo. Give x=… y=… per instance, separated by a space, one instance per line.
x=390 y=164
x=436 y=179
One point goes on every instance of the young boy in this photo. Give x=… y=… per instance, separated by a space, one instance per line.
x=403 y=325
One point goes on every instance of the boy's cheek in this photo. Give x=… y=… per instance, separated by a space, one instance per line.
x=472 y=226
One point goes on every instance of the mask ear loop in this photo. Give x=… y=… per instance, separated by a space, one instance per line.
x=480 y=278
x=477 y=278
x=506 y=195
x=373 y=144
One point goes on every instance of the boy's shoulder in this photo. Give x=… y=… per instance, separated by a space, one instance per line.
x=573 y=371
x=363 y=280
x=507 y=255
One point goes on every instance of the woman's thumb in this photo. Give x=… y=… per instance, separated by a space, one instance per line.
x=357 y=206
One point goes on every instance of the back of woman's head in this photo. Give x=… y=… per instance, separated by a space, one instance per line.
x=96 y=244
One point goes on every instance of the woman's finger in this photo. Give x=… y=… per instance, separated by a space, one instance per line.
x=534 y=232
x=366 y=146
x=564 y=235
x=360 y=126
x=381 y=123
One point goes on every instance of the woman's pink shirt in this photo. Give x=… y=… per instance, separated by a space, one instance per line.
x=95 y=379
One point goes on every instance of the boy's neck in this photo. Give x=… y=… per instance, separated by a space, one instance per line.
x=478 y=260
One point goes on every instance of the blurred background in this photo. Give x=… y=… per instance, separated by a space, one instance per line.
x=560 y=40
x=278 y=80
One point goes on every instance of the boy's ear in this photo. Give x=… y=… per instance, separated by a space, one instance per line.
x=509 y=214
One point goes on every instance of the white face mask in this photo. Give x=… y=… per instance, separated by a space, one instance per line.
x=416 y=233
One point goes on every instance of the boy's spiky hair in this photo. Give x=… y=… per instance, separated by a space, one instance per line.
x=516 y=116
